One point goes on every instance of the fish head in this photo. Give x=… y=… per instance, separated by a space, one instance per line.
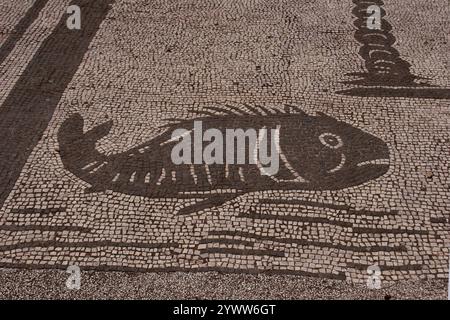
x=332 y=154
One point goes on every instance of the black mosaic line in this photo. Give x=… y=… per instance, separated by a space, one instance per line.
x=440 y=220
x=105 y=268
x=383 y=231
x=31 y=103
x=21 y=27
x=228 y=241
x=244 y=252
x=337 y=207
x=85 y=244
x=406 y=267
x=423 y=93
x=39 y=211
x=302 y=242
x=43 y=228
x=266 y=216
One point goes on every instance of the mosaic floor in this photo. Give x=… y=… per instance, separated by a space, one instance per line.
x=365 y=130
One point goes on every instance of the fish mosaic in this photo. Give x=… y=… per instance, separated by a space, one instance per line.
x=316 y=153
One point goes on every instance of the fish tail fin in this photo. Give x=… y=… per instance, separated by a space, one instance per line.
x=71 y=131
x=77 y=149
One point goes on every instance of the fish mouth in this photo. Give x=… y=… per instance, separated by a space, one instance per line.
x=382 y=161
x=371 y=169
x=374 y=162
x=354 y=174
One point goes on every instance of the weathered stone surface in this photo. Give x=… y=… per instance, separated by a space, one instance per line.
x=138 y=63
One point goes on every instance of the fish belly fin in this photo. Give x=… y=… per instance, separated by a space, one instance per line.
x=210 y=202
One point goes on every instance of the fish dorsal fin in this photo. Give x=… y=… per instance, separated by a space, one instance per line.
x=244 y=109
x=247 y=109
x=291 y=109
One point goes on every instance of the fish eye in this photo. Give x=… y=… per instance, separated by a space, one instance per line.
x=331 y=140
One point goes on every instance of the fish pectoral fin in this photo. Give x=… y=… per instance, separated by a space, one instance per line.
x=210 y=202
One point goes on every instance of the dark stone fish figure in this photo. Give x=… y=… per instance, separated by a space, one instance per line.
x=315 y=153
